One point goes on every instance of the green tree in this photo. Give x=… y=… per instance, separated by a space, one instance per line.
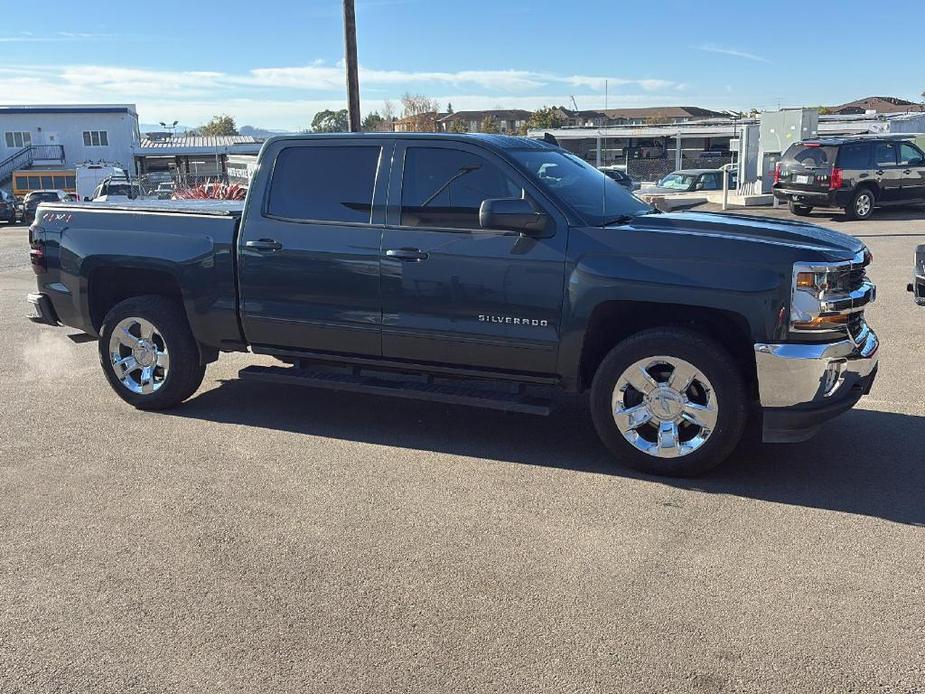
x=372 y=122
x=545 y=119
x=449 y=107
x=328 y=121
x=458 y=125
x=488 y=125
x=219 y=125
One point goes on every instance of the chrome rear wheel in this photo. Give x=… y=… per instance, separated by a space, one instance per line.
x=139 y=356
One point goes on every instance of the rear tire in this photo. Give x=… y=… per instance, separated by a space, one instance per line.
x=660 y=360
x=153 y=361
x=862 y=204
x=799 y=210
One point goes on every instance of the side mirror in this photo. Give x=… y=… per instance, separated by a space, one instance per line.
x=917 y=162
x=512 y=214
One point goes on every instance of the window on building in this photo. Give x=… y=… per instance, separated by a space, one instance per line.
x=446 y=187
x=96 y=138
x=18 y=139
x=331 y=184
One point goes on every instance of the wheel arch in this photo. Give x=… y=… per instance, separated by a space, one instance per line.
x=613 y=321
x=109 y=285
x=872 y=185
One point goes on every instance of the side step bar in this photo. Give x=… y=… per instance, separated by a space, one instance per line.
x=403 y=386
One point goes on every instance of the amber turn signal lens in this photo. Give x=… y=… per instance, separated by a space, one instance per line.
x=806 y=280
x=822 y=323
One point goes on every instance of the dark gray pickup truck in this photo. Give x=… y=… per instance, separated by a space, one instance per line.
x=482 y=270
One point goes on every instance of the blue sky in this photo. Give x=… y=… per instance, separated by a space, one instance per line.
x=274 y=64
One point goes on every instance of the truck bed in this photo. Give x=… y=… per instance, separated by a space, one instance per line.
x=182 y=248
x=222 y=208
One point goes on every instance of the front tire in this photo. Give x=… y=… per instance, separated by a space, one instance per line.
x=799 y=210
x=862 y=204
x=665 y=401
x=148 y=353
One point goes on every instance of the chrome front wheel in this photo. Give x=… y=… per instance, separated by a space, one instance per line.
x=139 y=356
x=664 y=406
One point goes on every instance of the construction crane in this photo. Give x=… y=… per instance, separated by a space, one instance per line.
x=574 y=103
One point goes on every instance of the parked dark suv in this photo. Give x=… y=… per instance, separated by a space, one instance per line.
x=855 y=174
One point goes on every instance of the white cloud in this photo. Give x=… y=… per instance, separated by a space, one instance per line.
x=52 y=37
x=287 y=97
x=735 y=52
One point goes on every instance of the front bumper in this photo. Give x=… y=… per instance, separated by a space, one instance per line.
x=918 y=281
x=803 y=385
x=41 y=310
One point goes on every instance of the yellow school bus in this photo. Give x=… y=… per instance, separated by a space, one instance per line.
x=27 y=180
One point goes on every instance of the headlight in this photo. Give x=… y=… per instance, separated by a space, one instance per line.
x=828 y=298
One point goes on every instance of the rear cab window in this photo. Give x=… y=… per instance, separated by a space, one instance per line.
x=324 y=183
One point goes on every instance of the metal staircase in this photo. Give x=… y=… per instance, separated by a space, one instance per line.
x=24 y=158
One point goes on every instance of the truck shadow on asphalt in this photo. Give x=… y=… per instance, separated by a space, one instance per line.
x=865 y=462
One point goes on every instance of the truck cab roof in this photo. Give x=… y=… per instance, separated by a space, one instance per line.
x=501 y=142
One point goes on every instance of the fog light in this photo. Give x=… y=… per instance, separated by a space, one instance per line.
x=833 y=378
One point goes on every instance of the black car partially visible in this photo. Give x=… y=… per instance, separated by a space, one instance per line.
x=7 y=207
x=918 y=276
x=38 y=196
x=856 y=173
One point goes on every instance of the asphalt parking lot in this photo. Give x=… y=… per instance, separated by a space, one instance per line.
x=278 y=539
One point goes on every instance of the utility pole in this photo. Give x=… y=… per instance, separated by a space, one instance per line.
x=353 y=82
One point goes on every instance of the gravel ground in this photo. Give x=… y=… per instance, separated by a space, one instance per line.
x=279 y=539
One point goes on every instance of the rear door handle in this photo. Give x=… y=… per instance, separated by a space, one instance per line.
x=264 y=245
x=414 y=255
x=907 y=171
x=880 y=172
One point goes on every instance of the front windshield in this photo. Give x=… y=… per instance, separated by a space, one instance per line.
x=676 y=181
x=598 y=198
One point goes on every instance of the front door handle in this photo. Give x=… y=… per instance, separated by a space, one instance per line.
x=880 y=172
x=907 y=171
x=264 y=245
x=414 y=255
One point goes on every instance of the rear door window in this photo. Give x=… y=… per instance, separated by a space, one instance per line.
x=855 y=156
x=324 y=184
x=885 y=154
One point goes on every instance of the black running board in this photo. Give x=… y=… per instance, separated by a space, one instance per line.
x=409 y=387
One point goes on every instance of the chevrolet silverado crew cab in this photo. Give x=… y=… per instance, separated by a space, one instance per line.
x=474 y=269
x=856 y=174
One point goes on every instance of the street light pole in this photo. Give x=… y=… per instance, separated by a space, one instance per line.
x=350 y=51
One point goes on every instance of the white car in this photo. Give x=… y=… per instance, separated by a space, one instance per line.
x=116 y=190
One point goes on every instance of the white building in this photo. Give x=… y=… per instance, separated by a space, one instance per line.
x=61 y=137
